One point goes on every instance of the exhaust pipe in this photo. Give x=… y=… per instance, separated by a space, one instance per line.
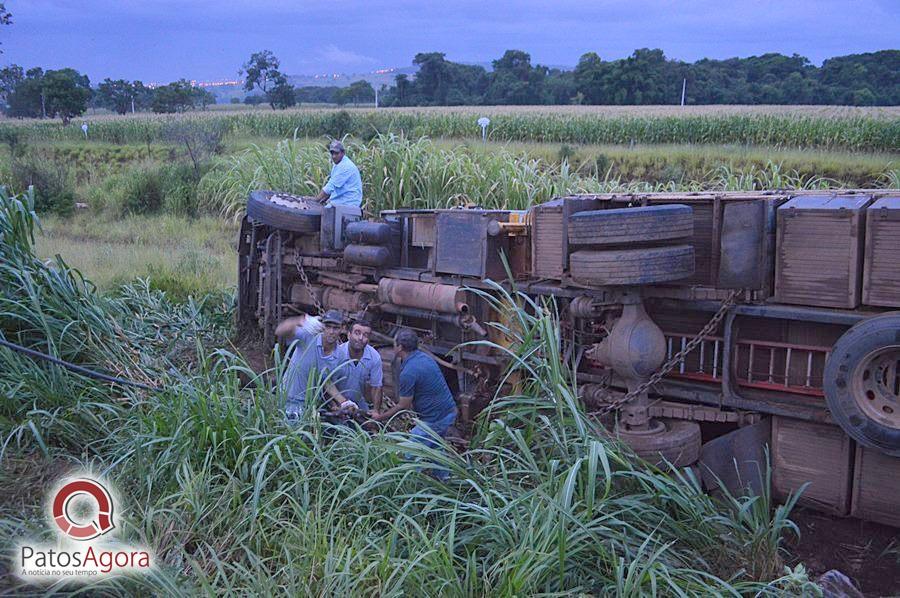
x=422 y=295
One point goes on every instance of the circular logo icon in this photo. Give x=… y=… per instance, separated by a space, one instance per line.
x=75 y=489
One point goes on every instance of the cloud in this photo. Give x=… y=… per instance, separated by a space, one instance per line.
x=334 y=55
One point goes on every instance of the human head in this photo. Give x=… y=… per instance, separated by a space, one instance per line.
x=333 y=320
x=359 y=335
x=336 y=149
x=406 y=341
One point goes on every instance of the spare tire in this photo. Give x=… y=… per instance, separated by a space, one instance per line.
x=862 y=383
x=284 y=211
x=632 y=266
x=671 y=440
x=631 y=225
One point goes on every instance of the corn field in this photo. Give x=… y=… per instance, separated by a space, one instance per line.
x=821 y=128
x=233 y=501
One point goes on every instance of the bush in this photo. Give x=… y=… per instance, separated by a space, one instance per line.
x=52 y=182
x=142 y=192
x=179 y=189
x=148 y=189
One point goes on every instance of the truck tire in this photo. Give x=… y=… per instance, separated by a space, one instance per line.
x=674 y=440
x=284 y=211
x=631 y=266
x=631 y=225
x=862 y=383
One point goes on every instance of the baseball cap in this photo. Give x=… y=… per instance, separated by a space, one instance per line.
x=333 y=316
x=335 y=146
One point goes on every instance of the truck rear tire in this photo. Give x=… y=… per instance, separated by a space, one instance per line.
x=674 y=440
x=631 y=225
x=285 y=212
x=632 y=266
x=862 y=383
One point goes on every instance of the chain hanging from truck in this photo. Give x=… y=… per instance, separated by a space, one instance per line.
x=669 y=365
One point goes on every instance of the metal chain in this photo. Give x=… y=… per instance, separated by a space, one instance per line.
x=676 y=359
x=308 y=286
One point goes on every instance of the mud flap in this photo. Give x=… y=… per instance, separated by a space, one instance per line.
x=737 y=460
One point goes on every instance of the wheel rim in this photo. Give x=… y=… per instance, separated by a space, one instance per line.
x=876 y=385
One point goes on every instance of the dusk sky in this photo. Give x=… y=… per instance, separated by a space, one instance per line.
x=163 y=40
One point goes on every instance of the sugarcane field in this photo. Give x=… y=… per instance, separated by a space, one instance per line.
x=616 y=313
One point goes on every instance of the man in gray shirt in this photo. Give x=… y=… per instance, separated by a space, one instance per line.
x=315 y=358
x=362 y=374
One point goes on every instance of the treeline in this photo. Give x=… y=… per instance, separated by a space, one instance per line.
x=66 y=93
x=648 y=77
x=358 y=92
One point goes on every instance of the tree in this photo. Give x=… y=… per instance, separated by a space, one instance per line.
x=281 y=95
x=261 y=72
x=202 y=97
x=356 y=92
x=201 y=139
x=10 y=77
x=116 y=95
x=5 y=17
x=174 y=97
x=143 y=96
x=27 y=98
x=66 y=93
x=515 y=81
x=589 y=75
x=316 y=94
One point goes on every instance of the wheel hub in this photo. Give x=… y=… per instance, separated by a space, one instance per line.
x=876 y=385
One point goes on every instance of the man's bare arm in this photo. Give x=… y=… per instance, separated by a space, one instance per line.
x=335 y=396
x=403 y=404
x=375 y=396
x=288 y=326
x=322 y=197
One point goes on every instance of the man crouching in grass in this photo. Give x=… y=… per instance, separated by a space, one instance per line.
x=315 y=350
x=424 y=390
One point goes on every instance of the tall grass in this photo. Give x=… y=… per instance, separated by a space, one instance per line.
x=798 y=129
x=400 y=172
x=234 y=502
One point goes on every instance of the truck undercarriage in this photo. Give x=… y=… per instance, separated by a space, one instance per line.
x=706 y=326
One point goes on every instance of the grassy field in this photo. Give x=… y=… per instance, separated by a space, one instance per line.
x=180 y=256
x=875 y=129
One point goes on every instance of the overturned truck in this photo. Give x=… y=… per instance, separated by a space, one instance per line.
x=711 y=324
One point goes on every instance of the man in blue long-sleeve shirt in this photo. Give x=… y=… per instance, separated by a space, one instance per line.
x=344 y=186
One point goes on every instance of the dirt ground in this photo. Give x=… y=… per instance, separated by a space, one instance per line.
x=866 y=552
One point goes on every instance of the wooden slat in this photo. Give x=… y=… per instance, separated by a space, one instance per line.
x=881 y=279
x=818 y=258
x=816 y=453
x=876 y=487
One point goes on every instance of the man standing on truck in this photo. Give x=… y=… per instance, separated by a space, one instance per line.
x=344 y=186
x=314 y=351
x=424 y=389
x=362 y=374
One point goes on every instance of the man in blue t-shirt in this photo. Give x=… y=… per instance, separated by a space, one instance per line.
x=422 y=388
